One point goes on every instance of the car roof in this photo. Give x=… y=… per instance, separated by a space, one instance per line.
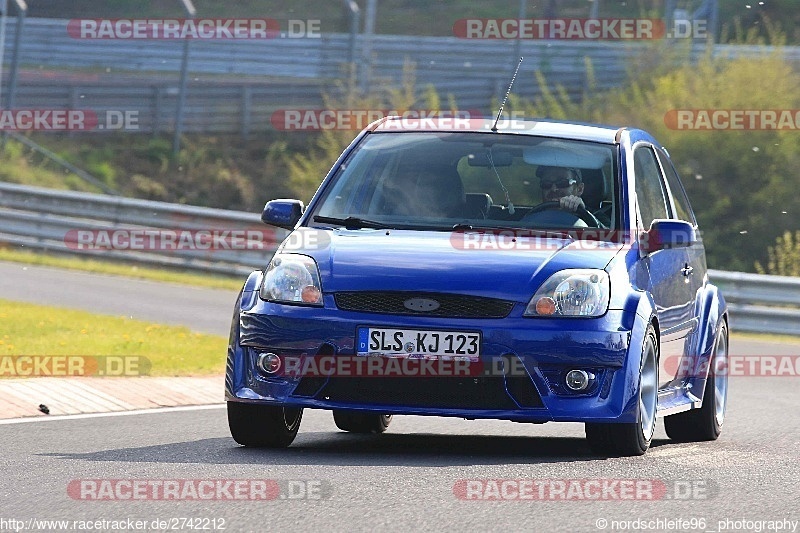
x=544 y=128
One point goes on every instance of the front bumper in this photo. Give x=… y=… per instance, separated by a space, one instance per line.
x=545 y=349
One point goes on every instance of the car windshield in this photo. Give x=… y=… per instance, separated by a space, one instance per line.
x=436 y=180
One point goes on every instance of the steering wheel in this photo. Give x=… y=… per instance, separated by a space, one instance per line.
x=581 y=213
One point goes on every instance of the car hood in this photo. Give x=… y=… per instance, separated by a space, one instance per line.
x=474 y=263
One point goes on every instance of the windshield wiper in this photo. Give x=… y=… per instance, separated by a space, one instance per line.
x=352 y=222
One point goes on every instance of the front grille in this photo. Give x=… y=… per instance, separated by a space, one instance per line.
x=450 y=305
x=441 y=392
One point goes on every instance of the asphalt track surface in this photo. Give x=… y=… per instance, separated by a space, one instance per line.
x=204 y=310
x=398 y=481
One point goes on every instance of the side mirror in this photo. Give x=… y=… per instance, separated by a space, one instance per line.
x=667 y=234
x=282 y=213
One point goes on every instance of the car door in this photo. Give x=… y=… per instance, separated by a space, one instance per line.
x=695 y=268
x=667 y=268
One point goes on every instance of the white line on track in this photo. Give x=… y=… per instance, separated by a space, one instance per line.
x=156 y=410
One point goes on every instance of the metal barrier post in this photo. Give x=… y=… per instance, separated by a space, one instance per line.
x=369 y=33
x=176 y=142
x=22 y=9
x=355 y=23
x=4 y=8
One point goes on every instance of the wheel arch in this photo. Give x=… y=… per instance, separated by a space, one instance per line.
x=629 y=380
x=713 y=312
x=234 y=361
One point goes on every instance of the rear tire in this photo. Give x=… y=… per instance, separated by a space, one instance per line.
x=705 y=423
x=356 y=422
x=263 y=426
x=632 y=438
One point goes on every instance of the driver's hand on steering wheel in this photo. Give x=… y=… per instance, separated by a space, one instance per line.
x=571 y=203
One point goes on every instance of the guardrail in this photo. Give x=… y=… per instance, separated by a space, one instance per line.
x=47 y=219
x=183 y=236
x=760 y=303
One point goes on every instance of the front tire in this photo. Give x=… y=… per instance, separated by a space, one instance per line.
x=263 y=426
x=355 y=422
x=634 y=438
x=705 y=423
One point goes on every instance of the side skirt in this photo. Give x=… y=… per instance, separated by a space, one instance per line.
x=676 y=400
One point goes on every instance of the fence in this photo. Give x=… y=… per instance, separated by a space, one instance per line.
x=235 y=86
x=211 y=108
x=43 y=218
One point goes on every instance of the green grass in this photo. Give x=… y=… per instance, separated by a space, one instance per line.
x=766 y=337
x=19 y=165
x=119 y=269
x=27 y=329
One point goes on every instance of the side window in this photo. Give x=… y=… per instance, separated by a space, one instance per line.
x=649 y=187
x=683 y=210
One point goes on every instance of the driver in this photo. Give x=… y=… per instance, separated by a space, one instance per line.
x=563 y=185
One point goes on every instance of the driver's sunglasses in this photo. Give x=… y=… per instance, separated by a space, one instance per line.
x=561 y=183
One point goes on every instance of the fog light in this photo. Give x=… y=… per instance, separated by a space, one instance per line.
x=269 y=363
x=578 y=380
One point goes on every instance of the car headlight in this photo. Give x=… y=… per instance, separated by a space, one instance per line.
x=292 y=278
x=572 y=292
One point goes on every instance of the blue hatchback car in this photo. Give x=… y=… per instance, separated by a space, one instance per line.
x=534 y=272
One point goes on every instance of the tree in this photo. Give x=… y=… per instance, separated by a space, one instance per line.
x=784 y=257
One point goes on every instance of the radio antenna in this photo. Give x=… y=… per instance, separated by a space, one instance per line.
x=514 y=77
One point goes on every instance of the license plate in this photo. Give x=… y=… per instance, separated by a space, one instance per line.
x=418 y=343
